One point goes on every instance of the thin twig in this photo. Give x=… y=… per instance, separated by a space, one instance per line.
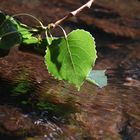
x=71 y=14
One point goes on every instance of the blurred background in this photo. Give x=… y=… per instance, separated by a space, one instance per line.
x=34 y=106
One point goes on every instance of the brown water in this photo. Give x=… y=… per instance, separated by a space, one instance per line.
x=34 y=106
x=112 y=112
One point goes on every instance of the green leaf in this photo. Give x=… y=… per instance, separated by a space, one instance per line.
x=9 y=41
x=31 y=40
x=71 y=58
x=14 y=33
x=9 y=36
x=27 y=36
x=97 y=77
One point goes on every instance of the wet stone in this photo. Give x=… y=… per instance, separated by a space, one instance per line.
x=13 y=122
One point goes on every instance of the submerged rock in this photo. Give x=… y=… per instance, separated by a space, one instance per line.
x=13 y=122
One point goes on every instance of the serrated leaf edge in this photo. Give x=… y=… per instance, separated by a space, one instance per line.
x=94 y=43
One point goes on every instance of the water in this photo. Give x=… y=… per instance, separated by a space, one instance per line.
x=112 y=112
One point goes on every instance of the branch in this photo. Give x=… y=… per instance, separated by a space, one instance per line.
x=72 y=14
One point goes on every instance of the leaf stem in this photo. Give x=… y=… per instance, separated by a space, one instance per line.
x=50 y=34
x=33 y=17
x=64 y=32
x=47 y=37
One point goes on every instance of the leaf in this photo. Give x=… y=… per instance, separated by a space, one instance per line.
x=24 y=31
x=27 y=36
x=97 y=77
x=71 y=59
x=14 y=33
x=31 y=40
x=9 y=36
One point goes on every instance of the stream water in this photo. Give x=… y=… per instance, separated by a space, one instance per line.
x=56 y=110
x=34 y=106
